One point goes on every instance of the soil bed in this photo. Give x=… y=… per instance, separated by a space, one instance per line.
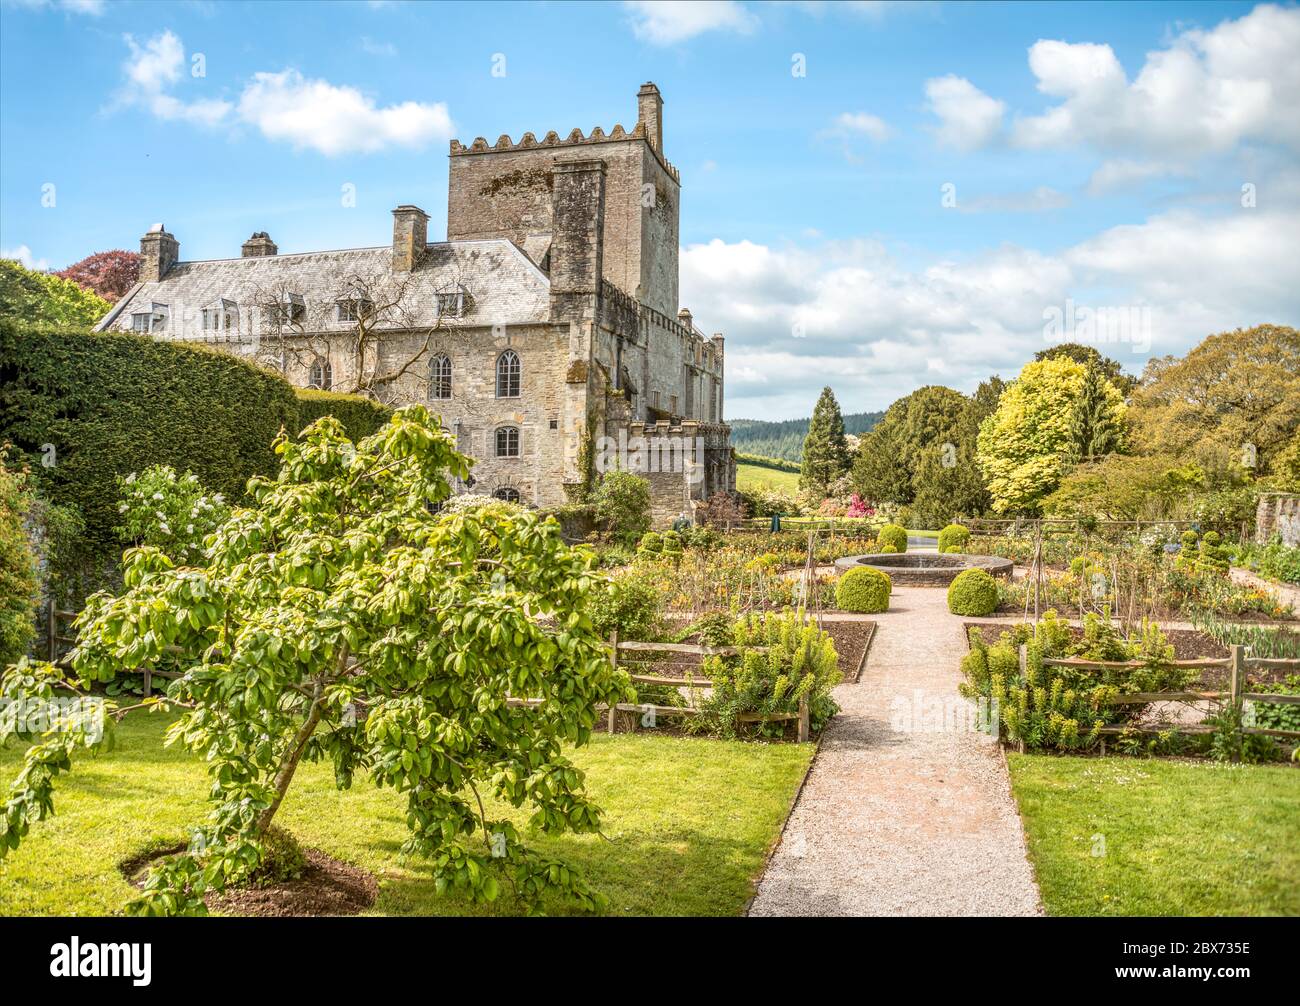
x=327 y=887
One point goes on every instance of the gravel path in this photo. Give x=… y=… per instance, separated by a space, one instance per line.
x=903 y=821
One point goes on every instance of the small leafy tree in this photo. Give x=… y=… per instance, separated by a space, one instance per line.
x=37 y=298
x=107 y=274
x=622 y=505
x=337 y=617
x=169 y=512
x=825 y=448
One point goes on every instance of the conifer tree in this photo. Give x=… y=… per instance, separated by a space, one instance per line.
x=1093 y=429
x=825 y=449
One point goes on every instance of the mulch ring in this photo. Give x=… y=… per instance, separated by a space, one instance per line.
x=327 y=886
x=1188 y=644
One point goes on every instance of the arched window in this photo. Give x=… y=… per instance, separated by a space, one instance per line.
x=440 y=376
x=322 y=375
x=508 y=374
x=507 y=493
x=508 y=442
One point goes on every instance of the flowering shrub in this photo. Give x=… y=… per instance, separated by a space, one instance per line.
x=857 y=508
x=169 y=512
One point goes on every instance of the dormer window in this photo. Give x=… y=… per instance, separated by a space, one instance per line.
x=222 y=317
x=290 y=310
x=453 y=303
x=353 y=309
x=152 y=321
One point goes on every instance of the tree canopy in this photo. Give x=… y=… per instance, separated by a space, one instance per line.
x=107 y=274
x=1027 y=444
x=37 y=298
x=825 y=448
x=1237 y=394
x=338 y=617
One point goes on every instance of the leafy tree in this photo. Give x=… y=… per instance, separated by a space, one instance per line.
x=1237 y=393
x=337 y=617
x=37 y=298
x=1127 y=487
x=825 y=449
x=107 y=274
x=1025 y=447
x=622 y=505
x=1091 y=430
x=19 y=587
x=1089 y=356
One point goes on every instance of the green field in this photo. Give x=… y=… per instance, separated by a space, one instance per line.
x=688 y=823
x=749 y=477
x=1129 y=836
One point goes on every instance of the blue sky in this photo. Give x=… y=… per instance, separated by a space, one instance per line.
x=910 y=210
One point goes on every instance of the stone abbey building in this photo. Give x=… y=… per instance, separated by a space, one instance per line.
x=545 y=330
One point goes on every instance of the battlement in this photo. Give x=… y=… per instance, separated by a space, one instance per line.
x=575 y=138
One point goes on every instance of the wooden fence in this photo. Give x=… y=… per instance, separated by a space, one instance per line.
x=1236 y=664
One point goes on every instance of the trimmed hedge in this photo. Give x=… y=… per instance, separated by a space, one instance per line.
x=112 y=403
x=892 y=536
x=359 y=415
x=863 y=590
x=973 y=592
x=954 y=538
x=19 y=586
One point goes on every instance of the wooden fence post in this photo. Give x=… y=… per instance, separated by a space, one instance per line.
x=611 y=718
x=148 y=681
x=804 y=727
x=1236 y=667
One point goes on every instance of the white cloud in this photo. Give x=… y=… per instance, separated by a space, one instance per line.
x=336 y=119
x=667 y=22
x=91 y=8
x=152 y=70
x=849 y=312
x=1036 y=200
x=23 y=255
x=1123 y=173
x=968 y=118
x=865 y=124
x=330 y=118
x=1207 y=91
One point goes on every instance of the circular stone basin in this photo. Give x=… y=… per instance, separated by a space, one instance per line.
x=926 y=569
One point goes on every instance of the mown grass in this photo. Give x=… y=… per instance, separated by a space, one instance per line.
x=1127 y=836
x=688 y=823
x=750 y=477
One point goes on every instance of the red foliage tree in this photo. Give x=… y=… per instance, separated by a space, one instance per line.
x=109 y=273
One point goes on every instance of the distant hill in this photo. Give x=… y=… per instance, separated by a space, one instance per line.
x=785 y=439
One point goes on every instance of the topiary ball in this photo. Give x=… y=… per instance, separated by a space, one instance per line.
x=863 y=590
x=651 y=541
x=892 y=534
x=953 y=538
x=973 y=592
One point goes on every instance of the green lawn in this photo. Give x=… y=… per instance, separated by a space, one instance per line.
x=755 y=476
x=1180 y=837
x=689 y=822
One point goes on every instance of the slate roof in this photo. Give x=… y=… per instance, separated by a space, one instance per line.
x=504 y=284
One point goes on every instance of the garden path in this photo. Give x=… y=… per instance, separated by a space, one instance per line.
x=897 y=821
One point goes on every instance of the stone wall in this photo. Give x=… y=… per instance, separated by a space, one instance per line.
x=1278 y=514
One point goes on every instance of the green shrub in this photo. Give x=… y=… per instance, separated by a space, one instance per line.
x=651 y=542
x=622 y=502
x=113 y=403
x=953 y=538
x=170 y=513
x=672 y=542
x=627 y=603
x=893 y=535
x=359 y=415
x=863 y=590
x=799 y=662
x=19 y=587
x=973 y=592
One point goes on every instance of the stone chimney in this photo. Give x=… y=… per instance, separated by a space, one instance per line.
x=577 y=238
x=259 y=245
x=650 y=113
x=159 y=251
x=685 y=317
x=410 y=237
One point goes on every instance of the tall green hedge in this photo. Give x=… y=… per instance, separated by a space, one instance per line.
x=113 y=403
x=360 y=416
